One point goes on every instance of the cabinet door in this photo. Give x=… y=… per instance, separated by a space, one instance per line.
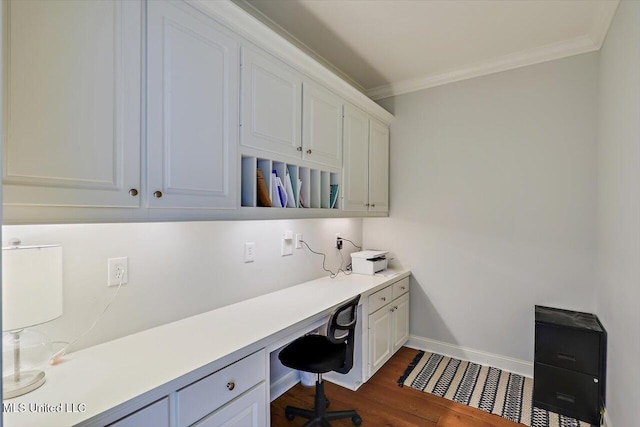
x=356 y=159
x=193 y=67
x=400 y=323
x=378 y=167
x=271 y=105
x=72 y=117
x=379 y=338
x=156 y=414
x=248 y=410
x=321 y=126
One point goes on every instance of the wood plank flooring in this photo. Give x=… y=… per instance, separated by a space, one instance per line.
x=381 y=403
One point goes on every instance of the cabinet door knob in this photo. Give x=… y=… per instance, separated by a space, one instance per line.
x=231 y=385
x=308 y=151
x=366 y=204
x=383 y=298
x=157 y=194
x=133 y=192
x=402 y=287
x=595 y=380
x=299 y=148
x=373 y=205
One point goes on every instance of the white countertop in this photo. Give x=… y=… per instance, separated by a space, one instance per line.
x=143 y=364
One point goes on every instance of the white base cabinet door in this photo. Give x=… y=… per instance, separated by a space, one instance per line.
x=192 y=102
x=379 y=338
x=156 y=415
x=400 y=322
x=72 y=103
x=248 y=410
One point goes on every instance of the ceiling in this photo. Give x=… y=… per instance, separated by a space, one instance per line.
x=389 y=47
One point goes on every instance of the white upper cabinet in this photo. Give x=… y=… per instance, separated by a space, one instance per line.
x=192 y=109
x=366 y=162
x=378 y=167
x=271 y=105
x=72 y=103
x=321 y=126
x=356 y=159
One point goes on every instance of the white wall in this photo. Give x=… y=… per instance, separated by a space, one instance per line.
x=618 y=286
x=176 y=269
x=493 y=202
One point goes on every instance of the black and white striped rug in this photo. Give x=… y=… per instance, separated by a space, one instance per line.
x=489 y=389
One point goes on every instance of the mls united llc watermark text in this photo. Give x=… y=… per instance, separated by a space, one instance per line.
x=19 y=407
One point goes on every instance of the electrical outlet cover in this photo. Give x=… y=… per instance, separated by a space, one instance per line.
x=117 y=270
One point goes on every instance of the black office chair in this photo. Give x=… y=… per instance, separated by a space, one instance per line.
x=320 y=354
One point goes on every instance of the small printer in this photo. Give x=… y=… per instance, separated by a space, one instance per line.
x=368 y=262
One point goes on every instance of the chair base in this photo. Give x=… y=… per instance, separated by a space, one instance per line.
x=319 y=416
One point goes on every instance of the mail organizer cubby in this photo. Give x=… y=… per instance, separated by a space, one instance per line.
x=264 y=181
x=570 y=363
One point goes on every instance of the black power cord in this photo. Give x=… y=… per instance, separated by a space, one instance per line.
x=324 y=259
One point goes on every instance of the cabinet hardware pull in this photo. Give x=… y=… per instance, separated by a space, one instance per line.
x=565 y=356
x=595 y=380
x=366 y=204
x=309 y=151
x=157 y=194
x=133 y=192
x=231 y=385
x=392 y=309
x=299 y=148
x=373 y=205
x=383 y=298
x=402 y=287
x=565 y=397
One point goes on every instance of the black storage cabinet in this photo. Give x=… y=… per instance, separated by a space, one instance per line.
x=570 y=364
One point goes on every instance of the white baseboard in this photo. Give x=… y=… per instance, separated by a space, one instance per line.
x=607 y=421
x=282 y=384
x=505 y=363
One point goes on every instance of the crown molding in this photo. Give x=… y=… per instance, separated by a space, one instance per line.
x=582 y=44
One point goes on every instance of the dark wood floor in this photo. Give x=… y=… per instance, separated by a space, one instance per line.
x=380 y=402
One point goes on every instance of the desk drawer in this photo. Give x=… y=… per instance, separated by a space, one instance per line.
x=380 y=299
x=401 y=287
x=568 y=348
x=208 y=394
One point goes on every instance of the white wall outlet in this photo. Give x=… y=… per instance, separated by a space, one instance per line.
x=298 y=240
x=249 y=252
x=117 y=271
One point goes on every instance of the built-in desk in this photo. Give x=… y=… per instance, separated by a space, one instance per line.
x=156 y=374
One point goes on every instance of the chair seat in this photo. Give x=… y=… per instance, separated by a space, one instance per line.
x=313 y=353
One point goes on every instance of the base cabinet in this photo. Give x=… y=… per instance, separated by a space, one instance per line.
x=388 y=323
x=249 y=410
x=156 y=414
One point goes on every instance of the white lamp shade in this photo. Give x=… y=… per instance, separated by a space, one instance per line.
x=31 y=286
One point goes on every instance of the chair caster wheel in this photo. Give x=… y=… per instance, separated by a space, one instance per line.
x=356 y=420
x=289 y=416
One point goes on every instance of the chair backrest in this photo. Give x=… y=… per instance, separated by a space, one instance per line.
x=342 y=329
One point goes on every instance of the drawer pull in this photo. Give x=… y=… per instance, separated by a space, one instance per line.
x=403 y=288
x=565 y=397
x=383 y=298
x=565 y=356
x=231 y=385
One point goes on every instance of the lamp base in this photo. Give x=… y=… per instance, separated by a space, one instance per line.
x=29 y=381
